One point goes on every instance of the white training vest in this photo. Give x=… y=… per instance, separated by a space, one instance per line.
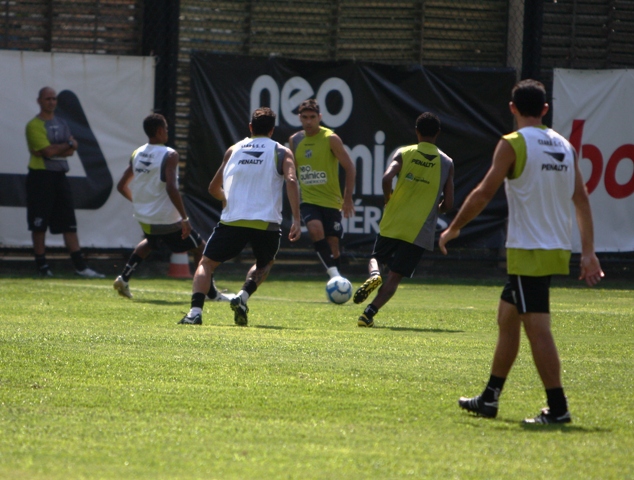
x=252 y=183
x=540 y=199
x=152 y=204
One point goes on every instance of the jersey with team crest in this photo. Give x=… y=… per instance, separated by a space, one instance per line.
x=152 y=204
x=317 y=169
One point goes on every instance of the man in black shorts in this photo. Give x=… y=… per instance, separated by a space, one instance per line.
x=408 y=226
x=249 y=184
x=49 y=197
x=543 y=182
x=318 y=154
x=151 y=183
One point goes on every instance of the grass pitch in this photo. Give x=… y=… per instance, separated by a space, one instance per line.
x=93 y=385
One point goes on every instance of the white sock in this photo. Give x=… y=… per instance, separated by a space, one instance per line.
x=333 y=272
x=194 y=311
x=244 y=295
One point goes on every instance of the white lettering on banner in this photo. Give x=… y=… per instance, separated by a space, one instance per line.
x=294 y=91
x=265 y=83
x=365 y=219
x=372 y=169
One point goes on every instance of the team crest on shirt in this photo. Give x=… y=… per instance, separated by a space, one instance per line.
x=308 y=154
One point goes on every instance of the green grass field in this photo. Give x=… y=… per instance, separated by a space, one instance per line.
x=95 y=386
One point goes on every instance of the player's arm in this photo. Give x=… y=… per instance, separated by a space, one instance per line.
x=39 y=145
x=340 y=153
x=215 y=186
x=447 y=193
x=171 y=187
x=392 y=170
x=590 y=267
x=503 y=162
x=123 y=186
x=292 y=192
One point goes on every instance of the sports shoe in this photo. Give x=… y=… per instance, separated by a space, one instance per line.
x=45 y=272
x=121 y=286
x=221 y=297
x=195 y=320
x=546 y=418
x=479 y=407
x=369 y=286
x=240 y=311
x=89 y=273
x=365 y=320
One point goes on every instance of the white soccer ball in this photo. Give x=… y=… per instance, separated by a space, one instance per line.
x=338 y=290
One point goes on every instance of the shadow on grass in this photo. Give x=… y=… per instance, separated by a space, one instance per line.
x=503 y=423
x=423 y=330
x=161 y=302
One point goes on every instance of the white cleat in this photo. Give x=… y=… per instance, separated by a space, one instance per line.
x=89 y=273
x=122 y=287
x=221 y=297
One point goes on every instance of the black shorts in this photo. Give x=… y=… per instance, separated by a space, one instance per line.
x=227 y=241
x=330 y=218
x=49 y=202
x=528 y=294
x=401 y=257
x=174 y=242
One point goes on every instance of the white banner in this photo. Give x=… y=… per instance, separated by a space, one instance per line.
x=593 y=109
x=108 y=97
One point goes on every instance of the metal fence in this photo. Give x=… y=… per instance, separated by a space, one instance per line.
x=531 y=36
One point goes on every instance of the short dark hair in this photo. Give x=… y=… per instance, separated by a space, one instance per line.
x=152 y=123
x=428 y=124
x=262 y=121
x=310 y=104
x=529 y=97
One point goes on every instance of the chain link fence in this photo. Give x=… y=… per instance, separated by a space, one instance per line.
x=532 y=37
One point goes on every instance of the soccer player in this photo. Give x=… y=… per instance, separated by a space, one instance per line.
x=48 y=194
x=151 y=183
x=408 y=225
x=542 y=182
x=249 y=184
x=318 y=153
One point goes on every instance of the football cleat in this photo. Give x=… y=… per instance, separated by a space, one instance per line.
x=122 y=287
x=195 y=320
x=221 y=297
x=547 y=418
x=45 y=271
x=365 y=321
x=479 y=407
x=369 y=286
x=89 y=273
x=240 y=311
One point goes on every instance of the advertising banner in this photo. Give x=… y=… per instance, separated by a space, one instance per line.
x=104 y=100
x=590 y=108
x=372 y=107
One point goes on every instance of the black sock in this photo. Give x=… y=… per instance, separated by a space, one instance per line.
x=493 y=389
x=198 y=300
x=250 y=287
x=370 y=311
x=78 y=260
x=337 y=262
x=41 y=263
x=323 y=251
x=557 y=401
x=213 y=291
x=133 y=262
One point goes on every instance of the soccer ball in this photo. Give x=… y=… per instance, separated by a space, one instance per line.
x=338 y=290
